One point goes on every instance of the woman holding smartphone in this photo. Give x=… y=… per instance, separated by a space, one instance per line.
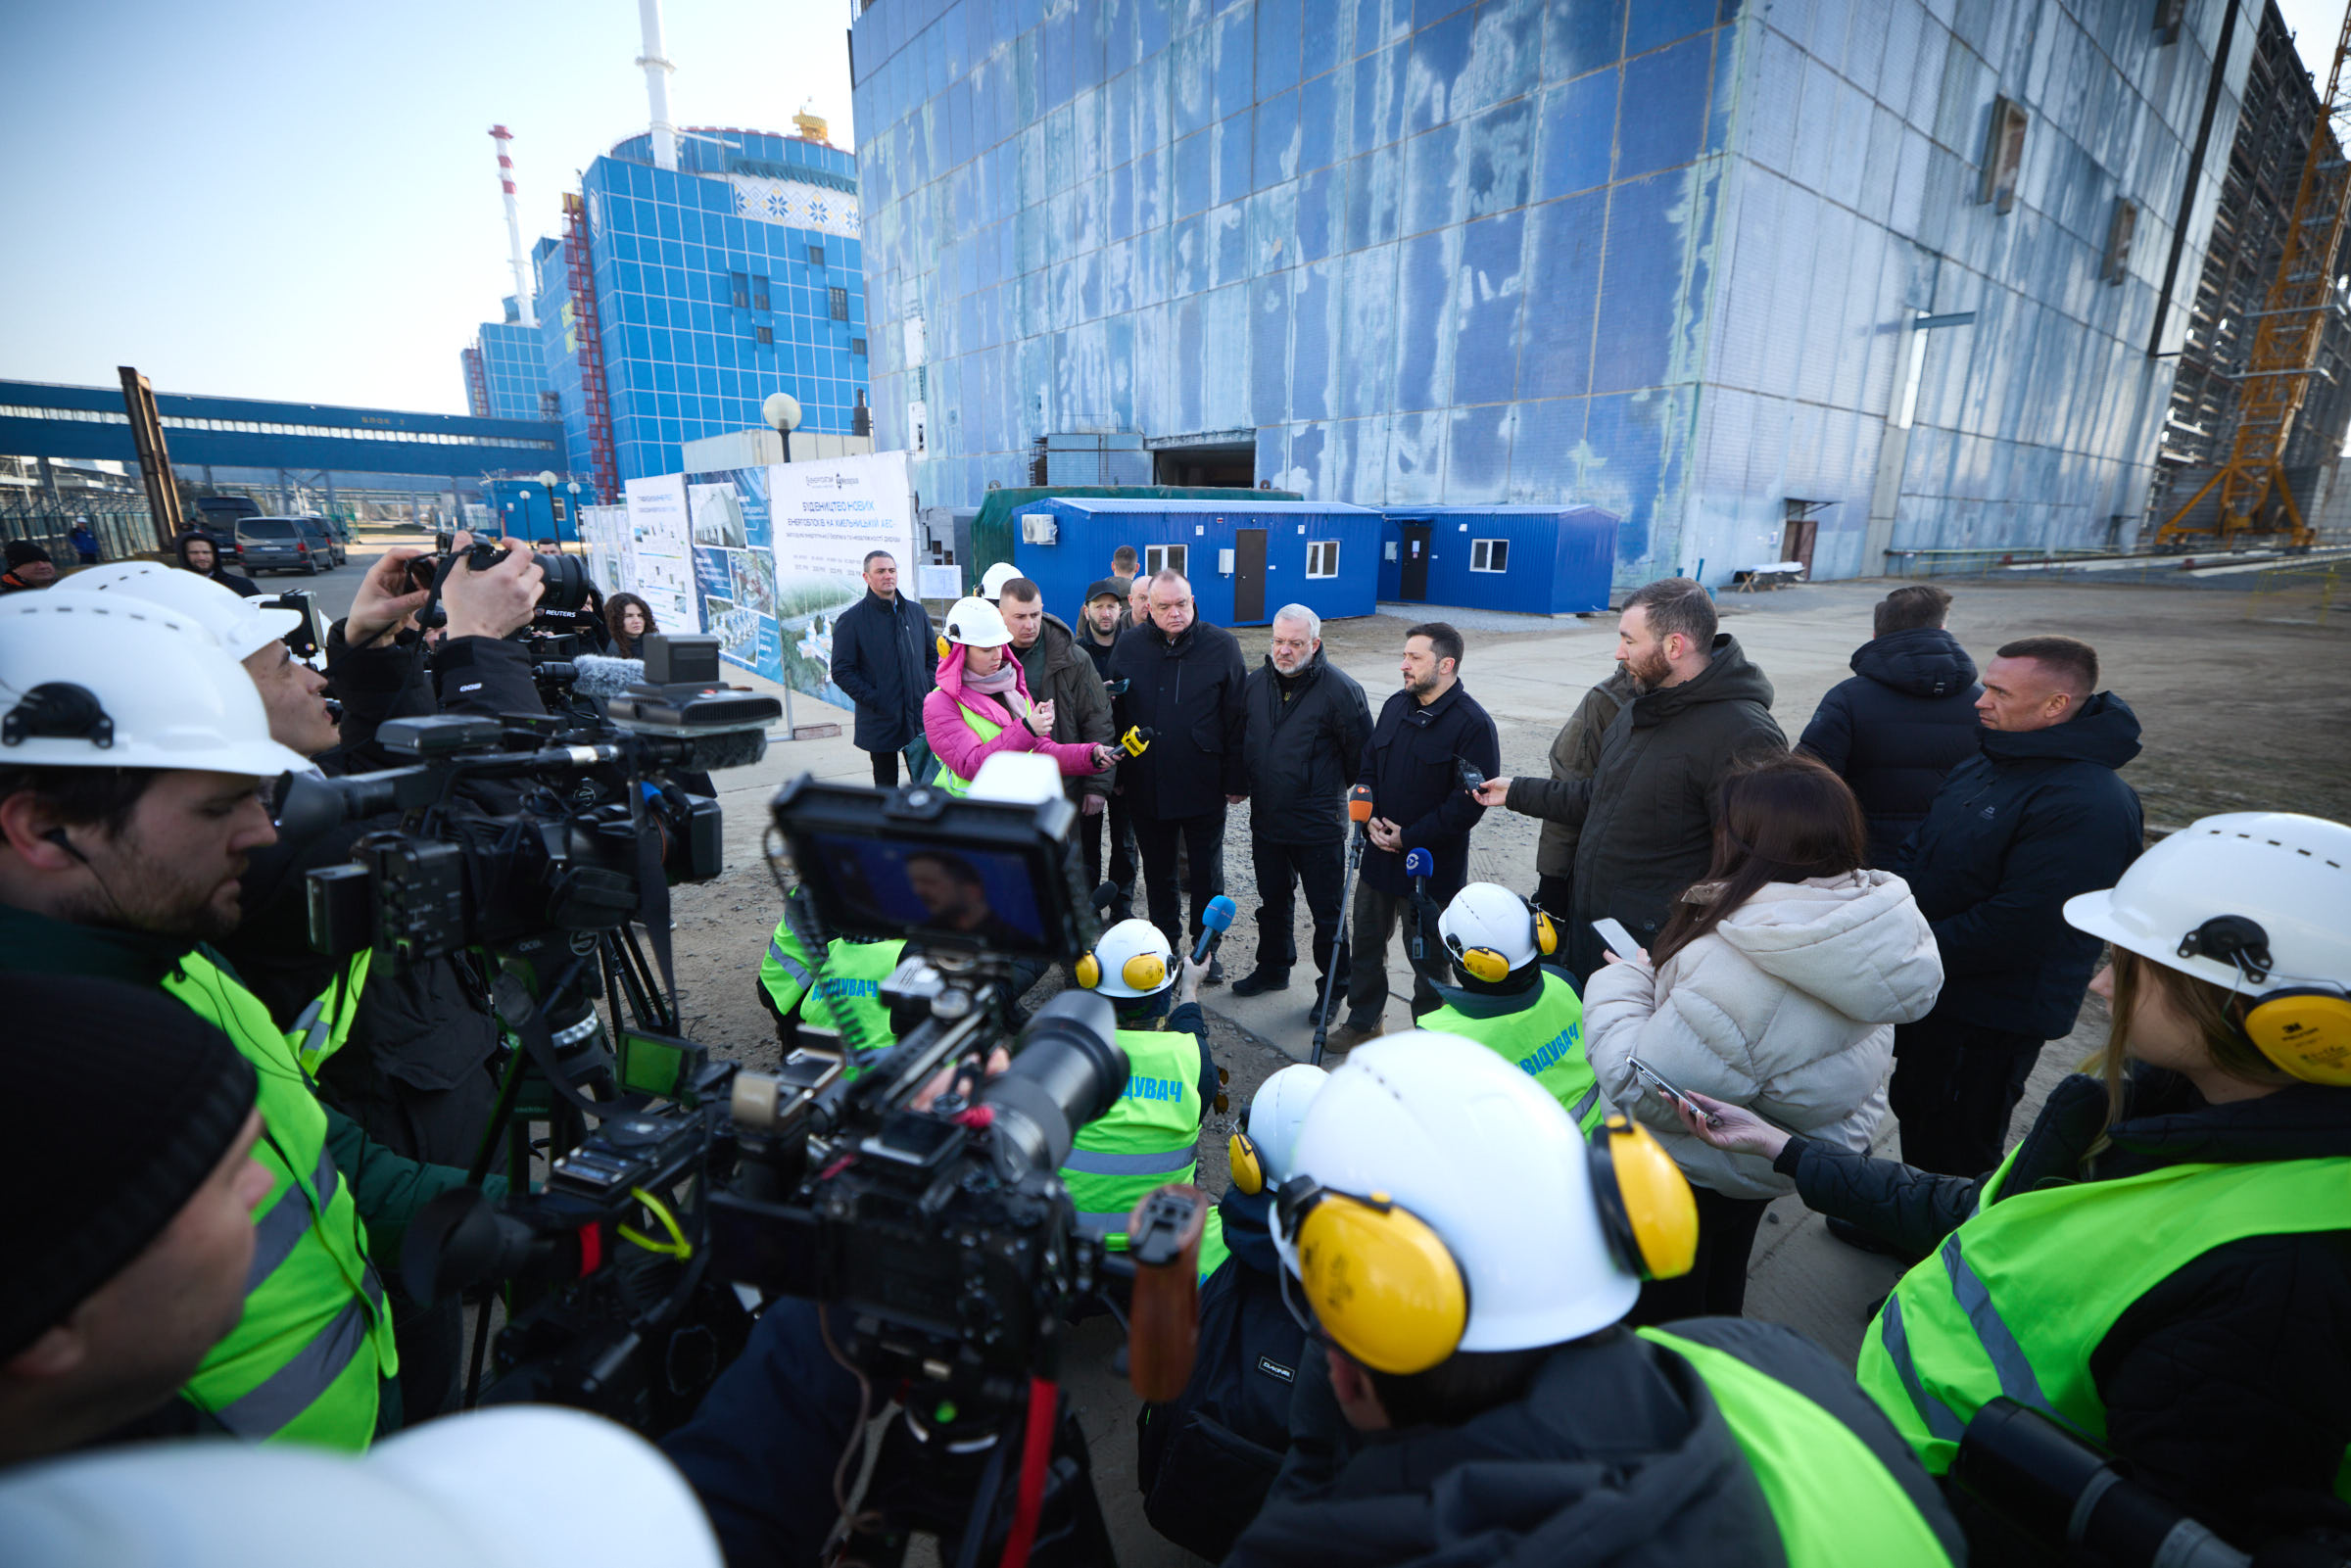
x=2164 y=1262
x=1775 y=985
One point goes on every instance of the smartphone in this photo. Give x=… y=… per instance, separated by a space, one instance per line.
x=1618 y=940
x=1667 y=1091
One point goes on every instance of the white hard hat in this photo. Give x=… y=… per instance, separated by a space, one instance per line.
x=1484 y=918
x=1132 y=959
x=977 y=624
x=480 y=1490
x=1023 y=778
x=2287 y=873
x=1277 y=1111
x=241 y=625
x=1477 y=1152
x=123 y=682
x=992 y=581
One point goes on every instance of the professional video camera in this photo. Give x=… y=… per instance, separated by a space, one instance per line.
x=563 y=578
x=920 y=1201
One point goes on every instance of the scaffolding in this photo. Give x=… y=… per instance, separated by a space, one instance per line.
x=2289 y=338
x=595 y=402
x=477 y=384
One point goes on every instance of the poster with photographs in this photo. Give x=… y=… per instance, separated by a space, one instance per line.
x=754 y=579
x=660 y=552
x=731 y=543
x=826 y=517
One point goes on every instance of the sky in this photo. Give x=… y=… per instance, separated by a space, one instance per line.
x=297 y=200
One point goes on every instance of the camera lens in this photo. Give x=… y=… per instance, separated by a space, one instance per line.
x=566 y=582
x=1069 y=1070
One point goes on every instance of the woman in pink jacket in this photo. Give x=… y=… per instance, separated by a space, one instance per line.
x=981 y=705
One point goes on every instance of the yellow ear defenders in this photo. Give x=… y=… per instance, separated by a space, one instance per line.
x=2305 y=1029
x=1145 y=971
x=1488 y=965
x=1388 y=1290
x=1240 y=1152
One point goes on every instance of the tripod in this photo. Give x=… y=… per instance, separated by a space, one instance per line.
x=1340 y=944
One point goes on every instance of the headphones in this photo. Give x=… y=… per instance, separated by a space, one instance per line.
x=1145 y=971
x=2304 y=1029
x=1488 y=965
x=1388 y=1290
x=1248 y=1167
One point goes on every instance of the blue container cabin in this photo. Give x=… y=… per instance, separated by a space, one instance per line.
x=1533 y=561
x=1245 y=561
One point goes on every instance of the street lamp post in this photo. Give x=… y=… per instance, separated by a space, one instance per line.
x=783 y=410
x=547 y=477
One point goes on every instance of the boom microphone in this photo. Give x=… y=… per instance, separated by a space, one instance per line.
x=1214 y=921
x=600 y=679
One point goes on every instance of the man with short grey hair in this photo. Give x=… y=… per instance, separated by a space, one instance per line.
x=1307 y=724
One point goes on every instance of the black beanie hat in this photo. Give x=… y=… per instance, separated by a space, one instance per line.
x=130 y=1101
x=24 y=553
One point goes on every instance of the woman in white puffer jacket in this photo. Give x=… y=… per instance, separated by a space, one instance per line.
x=1776 y=985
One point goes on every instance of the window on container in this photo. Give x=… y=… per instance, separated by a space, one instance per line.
x=1489 y=555
x=758 y=292
x=1166 y=559
x=1322 y=558
x=836 y=303
x=767 y=334
x=857 y=347
x=816 y=255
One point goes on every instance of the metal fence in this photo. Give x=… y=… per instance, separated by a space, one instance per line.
x=123 y=530
x=2304 y=591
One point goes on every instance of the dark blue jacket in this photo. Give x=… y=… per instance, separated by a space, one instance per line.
x=882 y=661
x=1903 y=722
x=2035 y=818
x=1412 y=766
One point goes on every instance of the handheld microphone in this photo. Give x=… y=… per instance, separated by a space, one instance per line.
x=1359 y=805
x=1214 y=921
x=1420 y=865
x=1137 y=741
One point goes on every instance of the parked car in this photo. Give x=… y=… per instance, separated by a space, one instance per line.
x=280 y=545
x=322 y=538
x=216 y=517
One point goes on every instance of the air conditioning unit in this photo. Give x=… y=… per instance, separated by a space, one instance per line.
x=1039 y=528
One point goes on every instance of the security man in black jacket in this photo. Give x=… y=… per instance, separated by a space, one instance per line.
x=882 y=661
x=1420 y=801
x=1308 y=722
x=1183 y=683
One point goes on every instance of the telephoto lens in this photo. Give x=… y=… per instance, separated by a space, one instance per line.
x=1069 y=1070
x=565 y=578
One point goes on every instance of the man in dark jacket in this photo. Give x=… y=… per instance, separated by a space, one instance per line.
x=1413 y=767
x=1100 y=620
x=29 y=567
x=1099 y=628
x=1308 y=722
x=1183 y=683
x=2039 y=815
x=1064 y=679
x=1574 y=754
x=1648 y=812
x=199 y=554
x=1906 y=719
x=881 y=658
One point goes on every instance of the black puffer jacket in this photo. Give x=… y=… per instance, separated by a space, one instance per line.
x=1412 y=765
x=1648 y=812
x=2229 y=1384
x=1303 y=753
x=2035 y=818
x=1188 y=693
x=1616 y=1453
x=1893 y=732
x=883 y=662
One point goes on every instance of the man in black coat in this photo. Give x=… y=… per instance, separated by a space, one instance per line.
x=1648 y=812
x=1308 y=722
x=1183 y=683
x=2036 y=817
x=1099 y=627
x=200 y=554
x=881 y=658
x=1906 y=719
x=1413 y=767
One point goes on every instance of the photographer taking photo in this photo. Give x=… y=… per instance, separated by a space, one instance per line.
x=134 y=757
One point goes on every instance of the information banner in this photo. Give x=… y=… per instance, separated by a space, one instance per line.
x=658 y=559
x=826 y=516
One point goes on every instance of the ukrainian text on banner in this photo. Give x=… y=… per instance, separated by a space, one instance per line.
x=734 y=570
x=657 y=565
x=826 y=517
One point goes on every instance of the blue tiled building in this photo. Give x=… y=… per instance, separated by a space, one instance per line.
x=507 y=370
x=1667 y=257
x=737 y=275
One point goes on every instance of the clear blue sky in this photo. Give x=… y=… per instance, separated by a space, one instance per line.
x=261 y=198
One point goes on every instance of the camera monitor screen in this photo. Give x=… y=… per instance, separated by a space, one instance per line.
x=965 y=894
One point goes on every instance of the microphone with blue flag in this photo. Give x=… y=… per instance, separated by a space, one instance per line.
x=1420 y=865
x=1214 y=921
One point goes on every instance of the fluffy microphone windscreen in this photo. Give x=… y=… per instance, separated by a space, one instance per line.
x=600 y=679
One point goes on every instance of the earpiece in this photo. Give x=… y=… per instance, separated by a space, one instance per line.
x=57 y=836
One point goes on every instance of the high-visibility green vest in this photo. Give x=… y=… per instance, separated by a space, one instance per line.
x=953 y=783
x=850 y=990
x=1836 y=1505
x=303 y=1363
x=1151 y=1137
x=325 y=1024
x=2018 y=1299
x=787 y=970
x=1212 y=1250
x=1545 y=1038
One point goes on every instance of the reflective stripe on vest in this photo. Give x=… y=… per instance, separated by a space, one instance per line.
x=1836 y=1505
x=325 y=1026
x=851 y=988
x=953 y=783
x=1148 y=1139
x=787 y=970
x=2019 y=1297
x=304 y=1360
x=1545 y=1039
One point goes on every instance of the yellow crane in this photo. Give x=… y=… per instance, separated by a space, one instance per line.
x=2286 y=344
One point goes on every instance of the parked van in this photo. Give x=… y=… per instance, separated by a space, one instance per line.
x=282 y=545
